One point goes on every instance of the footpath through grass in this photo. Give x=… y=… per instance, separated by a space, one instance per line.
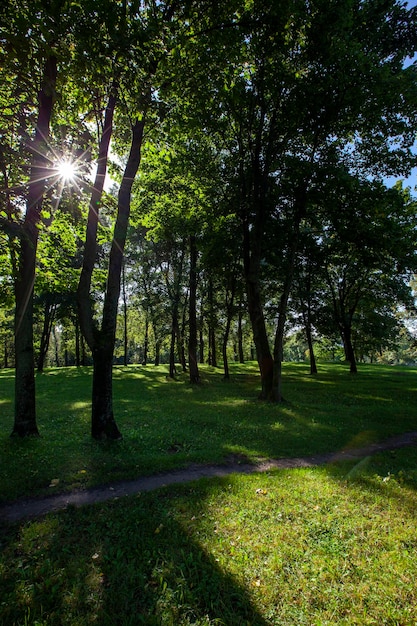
x=168 y=424
x=323 y=546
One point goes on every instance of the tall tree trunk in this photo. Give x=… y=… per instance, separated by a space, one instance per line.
x=211 y=322
x=181 y=339
x=260 y=337
x=25 y=402
x=77 y=342
x=146 y=340
x=83 y=352
x=157 y=339
x=192 y=313
x=48 y=320
x=276 y=391
x=304 y=294
x=229 y=316
x=212 y=347
x=84 y=301
x=300 y=204
x=174 y=330
x=103 y=421
x=313 y=364
x=201 y=334
x=201 y=345
x=346 y=333
x=157 y=352
x=240 y=336
x=56 y=346
x=252 y=254
x=125 y=359
x=224 y=349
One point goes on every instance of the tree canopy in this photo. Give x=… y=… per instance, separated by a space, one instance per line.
x=248 y=144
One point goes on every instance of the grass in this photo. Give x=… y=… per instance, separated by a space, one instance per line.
x=310 y=546
x=169 y=424
x=319 y=546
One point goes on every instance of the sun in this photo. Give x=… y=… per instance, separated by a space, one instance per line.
x=67 y=171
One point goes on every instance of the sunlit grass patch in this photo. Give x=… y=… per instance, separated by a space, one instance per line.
x=308 y=546
x=169 y=424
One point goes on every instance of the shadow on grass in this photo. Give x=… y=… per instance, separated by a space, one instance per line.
x=169 y=424
x=132 y=562
x=160 y=559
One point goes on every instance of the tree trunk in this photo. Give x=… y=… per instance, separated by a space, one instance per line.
x=349 y=351
x=83 y=354
x=252 y=254
x=224 y=350
x=48 y=320
x=103 y=422
x=201 y=345
x=146 y=341
x=240 y=337
x=313 y=364
x=260 y=338
x=212 y=347
x=300 y=204
x=306 y=314
x=156 y=333
x=77 y=343
x=157 y=352
x=174 y=325
x=125 y=359
x=102 y=340
x=56 y=346
x=212 y=350
x=229 y=316
x=192 y=313
x=25 y=402
x=276 y=391
x=181 y=339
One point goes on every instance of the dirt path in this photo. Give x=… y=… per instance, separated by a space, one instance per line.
x=35 y=507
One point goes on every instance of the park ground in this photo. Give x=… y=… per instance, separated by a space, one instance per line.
x=327 y=544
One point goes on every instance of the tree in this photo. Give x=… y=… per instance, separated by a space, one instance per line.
x=38 y=49
x=135 y=36
x=25 y=408
x=315 y=84
x=368 y=255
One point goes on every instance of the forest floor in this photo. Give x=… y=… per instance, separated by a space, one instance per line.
x=30 y=508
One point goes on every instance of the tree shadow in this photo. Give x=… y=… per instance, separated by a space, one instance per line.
x=135 y=561
x=149 y=559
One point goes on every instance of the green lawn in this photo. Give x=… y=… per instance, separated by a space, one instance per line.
x=322 y=546
x=168 y=424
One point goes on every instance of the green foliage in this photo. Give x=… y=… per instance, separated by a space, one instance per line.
x=250 y=106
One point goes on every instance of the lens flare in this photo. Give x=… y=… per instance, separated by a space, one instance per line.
x=67 y=171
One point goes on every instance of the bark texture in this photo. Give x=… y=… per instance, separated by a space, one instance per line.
x=103 y=423
x=25 y=404
x=192 y=312
x=101 y=339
